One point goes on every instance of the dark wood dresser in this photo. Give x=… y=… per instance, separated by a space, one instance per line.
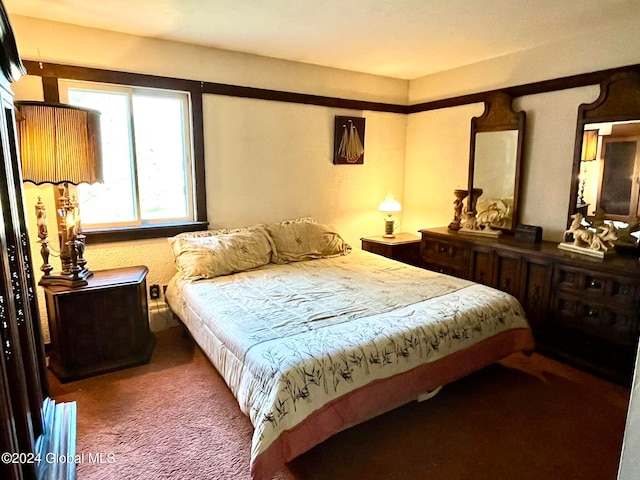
x=583 y=310
x=101 y=327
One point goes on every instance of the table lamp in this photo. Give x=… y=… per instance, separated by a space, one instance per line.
x=60 y=144
x=389 y=206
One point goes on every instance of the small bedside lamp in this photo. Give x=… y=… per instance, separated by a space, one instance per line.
x=389 y=206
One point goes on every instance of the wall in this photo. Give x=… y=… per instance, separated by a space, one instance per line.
x=438 y=160
x=438 y=141
x=437 y=163
x=265 y=161
x=280 y=165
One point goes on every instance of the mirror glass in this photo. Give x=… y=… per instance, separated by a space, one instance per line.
x=494 y=172
x=609 y=175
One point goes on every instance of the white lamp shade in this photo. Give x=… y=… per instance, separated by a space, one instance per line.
x=390 y=204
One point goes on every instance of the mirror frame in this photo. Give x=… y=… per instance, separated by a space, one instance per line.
x=499 y=116
x=619 y=100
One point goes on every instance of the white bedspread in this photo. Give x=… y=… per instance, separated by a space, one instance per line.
x=290 y=338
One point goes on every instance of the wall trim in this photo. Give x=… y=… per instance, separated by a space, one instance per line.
x=55 y=70
x=71 y=72
x=544 y=86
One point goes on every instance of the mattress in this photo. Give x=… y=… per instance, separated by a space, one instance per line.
x=309 y=348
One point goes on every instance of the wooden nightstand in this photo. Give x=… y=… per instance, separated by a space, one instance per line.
x=404 y=247
x=101 y=327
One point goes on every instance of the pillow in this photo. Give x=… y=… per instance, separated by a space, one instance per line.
x=213 y=233
x=221 y=254
x=296 y=241
x=296 y=220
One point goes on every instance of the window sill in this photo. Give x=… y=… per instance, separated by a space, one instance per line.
x=121 y=234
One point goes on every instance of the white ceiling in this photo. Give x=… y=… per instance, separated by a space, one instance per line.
x=396 y=38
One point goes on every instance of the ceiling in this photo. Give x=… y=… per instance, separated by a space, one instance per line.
x=397 y=38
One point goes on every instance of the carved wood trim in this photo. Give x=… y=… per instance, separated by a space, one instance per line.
x=498 y=114
x=619 y=100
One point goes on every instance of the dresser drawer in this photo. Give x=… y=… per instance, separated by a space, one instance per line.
x=592 y=284
x=445 y=253
x=602 y=320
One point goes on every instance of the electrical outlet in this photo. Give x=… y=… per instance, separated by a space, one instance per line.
x=154 y=291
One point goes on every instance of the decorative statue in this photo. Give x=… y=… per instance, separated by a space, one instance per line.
x=596 y=240
x=625 y=239
x=457 y=208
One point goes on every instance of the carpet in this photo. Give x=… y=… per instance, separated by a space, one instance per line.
x=524 y=418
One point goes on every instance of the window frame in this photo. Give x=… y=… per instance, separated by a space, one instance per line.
x=50 y=86
x=129 y=92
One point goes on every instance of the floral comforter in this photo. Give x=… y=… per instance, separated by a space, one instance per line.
x=288 y=339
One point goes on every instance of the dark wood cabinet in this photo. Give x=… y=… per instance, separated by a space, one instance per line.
x=404 y=247
x=101 y=327
x=583 y=310
x=23 y=375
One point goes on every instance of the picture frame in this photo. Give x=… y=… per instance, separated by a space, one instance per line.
x=348 y=143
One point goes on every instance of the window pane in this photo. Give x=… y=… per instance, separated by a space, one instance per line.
x=161 y=156
x=112 y=201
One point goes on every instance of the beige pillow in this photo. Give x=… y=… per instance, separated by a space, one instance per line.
x=213 y=233
x=293 y=242
x=222 y=254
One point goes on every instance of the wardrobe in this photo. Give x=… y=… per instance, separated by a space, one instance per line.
x=23 y=374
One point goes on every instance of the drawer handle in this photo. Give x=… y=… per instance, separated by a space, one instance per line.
x=592 y=314
x=443 y=249
x=595 y=284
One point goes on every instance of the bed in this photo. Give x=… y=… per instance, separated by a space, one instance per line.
x=313 y=338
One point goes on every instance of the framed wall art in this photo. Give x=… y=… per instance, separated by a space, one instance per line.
x=348 y=142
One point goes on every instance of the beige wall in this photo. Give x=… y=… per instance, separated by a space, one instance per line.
x=437 y=163
x=271 y=161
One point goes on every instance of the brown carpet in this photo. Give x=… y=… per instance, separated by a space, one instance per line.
x=526 y=418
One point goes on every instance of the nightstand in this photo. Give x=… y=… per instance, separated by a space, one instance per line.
x=404 y=247
x=100 y=327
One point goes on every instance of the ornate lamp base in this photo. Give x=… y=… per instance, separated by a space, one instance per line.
x=70 y=280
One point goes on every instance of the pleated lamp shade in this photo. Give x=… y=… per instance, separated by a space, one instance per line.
x=589 y=145
x=59 y=143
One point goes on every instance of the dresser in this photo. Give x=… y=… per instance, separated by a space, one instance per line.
x=583 y=310
x=101 y=327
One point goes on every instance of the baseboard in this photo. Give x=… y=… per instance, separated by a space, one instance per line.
x=160 y=316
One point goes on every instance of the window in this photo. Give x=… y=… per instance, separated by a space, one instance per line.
x=147 y=156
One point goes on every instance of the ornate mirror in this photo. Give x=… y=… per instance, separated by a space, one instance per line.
x=606 y=161
x=494 y=163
